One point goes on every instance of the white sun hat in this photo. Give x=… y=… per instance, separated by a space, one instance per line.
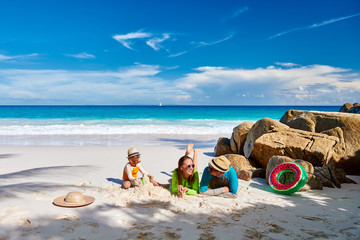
x=73 y=199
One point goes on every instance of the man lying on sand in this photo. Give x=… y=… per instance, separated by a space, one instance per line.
x=220 y=178
x=132 y=168
x=185 y=178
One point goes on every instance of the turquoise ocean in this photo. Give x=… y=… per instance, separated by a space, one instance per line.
x=122 y=125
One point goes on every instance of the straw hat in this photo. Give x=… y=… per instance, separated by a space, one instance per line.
x=133 y=152
x=73 y=199
x=221 y=163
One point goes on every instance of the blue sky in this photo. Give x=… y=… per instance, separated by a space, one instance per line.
x=293 y=52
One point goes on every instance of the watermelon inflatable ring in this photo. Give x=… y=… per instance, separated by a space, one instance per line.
x=298 y=178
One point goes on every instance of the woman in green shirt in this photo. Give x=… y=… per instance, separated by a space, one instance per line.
x=185 y=178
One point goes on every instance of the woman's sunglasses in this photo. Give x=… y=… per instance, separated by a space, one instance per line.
x=190 y=166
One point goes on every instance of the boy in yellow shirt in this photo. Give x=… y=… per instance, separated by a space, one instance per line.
x=131 y=169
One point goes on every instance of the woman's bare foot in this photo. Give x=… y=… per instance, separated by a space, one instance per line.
x=189 y=148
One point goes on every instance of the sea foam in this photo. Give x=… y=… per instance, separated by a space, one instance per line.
x=102 y=129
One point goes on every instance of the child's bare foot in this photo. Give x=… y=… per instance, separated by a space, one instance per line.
x=189 y=148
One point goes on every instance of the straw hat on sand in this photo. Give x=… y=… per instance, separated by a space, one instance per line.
x=73 y=199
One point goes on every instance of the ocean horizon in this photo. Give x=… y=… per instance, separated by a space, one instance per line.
x=118 y=125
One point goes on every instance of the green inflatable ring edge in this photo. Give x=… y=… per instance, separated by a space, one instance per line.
x=301 y=182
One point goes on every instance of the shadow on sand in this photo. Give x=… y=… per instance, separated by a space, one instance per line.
x=163 y=220
x=20 y=182
x=45 y=171
x=182 y=143
x=7 y=155
x=115 y=180
x=302 y=217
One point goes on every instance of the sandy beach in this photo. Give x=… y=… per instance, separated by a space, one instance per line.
x=271 y=88
x=32 y=177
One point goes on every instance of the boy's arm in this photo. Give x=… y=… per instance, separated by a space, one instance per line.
x=204 y=185
x=214 y=192
x=205 y=180
x=233 y=181
x=142 y=170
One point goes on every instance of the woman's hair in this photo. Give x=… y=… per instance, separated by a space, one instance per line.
x=180 y=176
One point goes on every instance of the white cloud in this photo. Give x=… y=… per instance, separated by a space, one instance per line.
x=237 y=13
x=126 y=38
x=82 y=55
x=203 y=44
x=260 y=96
x=288 y=64
x=279 y=85
x=154 y=43
x=185 y=97
x=177 y=54
x=136 y=84
x=141 y=84
x=315 y=25
x=333 y=20
x=9 y=58
x=200 y=44
x=24 y=95
x=293 y=76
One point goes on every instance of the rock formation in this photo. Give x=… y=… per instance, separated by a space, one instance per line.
x=222 y=147
x=350 y=108
x=324 y=143
x=317 y=177
x=316 y=148
x=346 y=127
x=239 y=136
x=261 y=127
x=245 y=168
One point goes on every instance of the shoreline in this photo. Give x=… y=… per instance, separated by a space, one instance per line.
x=32 y=177
x=181 y=140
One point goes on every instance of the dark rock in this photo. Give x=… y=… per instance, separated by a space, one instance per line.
x=245 y=168
x=306 y=122
x=238 y=137
x=354 y=109
x=247 y=175
x=222 y=147
x=239 y=162
x=346 y=107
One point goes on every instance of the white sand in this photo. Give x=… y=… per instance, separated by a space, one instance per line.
x=31 y=177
